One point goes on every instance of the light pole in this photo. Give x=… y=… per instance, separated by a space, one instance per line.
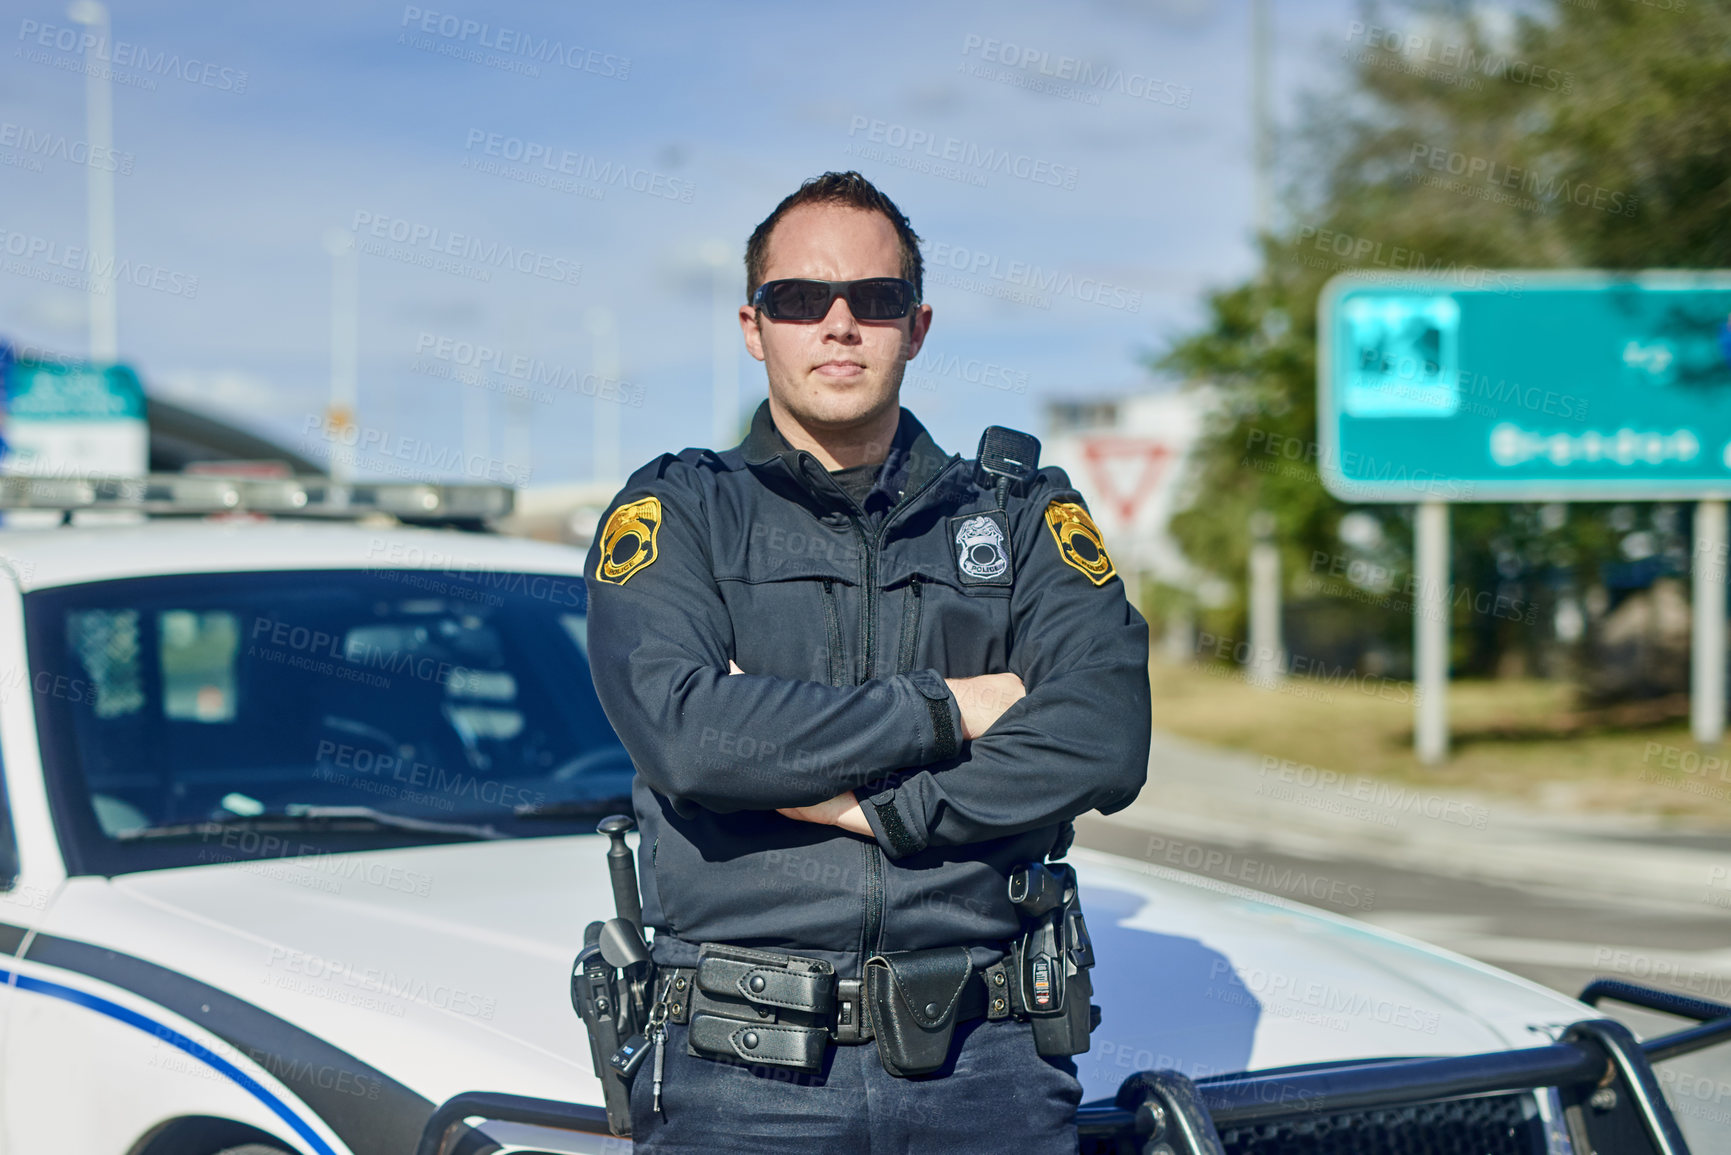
x=1262 y=127
x=604 y=368
x=724 y=329
x=1267 y=653
x=99 y=205
x=345 y=349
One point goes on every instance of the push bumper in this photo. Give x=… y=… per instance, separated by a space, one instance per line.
x=1602 y=1076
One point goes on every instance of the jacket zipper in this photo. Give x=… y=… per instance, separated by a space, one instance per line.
x=871 y=930
x=832 y=627
x=910 y=626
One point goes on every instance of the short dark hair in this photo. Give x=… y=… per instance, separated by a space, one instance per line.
x=836 y=188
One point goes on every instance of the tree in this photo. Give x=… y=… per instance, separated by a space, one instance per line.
x=1595 y=134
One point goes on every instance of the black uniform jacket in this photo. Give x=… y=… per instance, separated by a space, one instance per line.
x=846 y=621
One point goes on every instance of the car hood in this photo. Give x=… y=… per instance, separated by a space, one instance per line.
x=1208 y=978
x=447 y=968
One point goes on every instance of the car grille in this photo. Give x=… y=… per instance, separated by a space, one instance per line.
x=1486 y=1125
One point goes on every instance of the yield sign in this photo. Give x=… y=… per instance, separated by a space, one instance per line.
x=1125 y=470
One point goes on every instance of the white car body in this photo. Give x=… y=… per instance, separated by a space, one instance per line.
x=333 y=1002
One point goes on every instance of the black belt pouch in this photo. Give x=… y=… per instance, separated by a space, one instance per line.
x=761 y=1006
x=913 y=995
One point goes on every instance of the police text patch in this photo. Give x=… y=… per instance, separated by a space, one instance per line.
x=628 y=540
x=980 y=543
x=1079 y=540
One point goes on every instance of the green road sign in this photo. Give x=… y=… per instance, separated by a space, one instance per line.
x=1553 y=386
x=74 y=418
x=73 y=391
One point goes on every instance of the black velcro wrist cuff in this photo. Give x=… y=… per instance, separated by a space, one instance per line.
x=943 y=730
x=901 y=840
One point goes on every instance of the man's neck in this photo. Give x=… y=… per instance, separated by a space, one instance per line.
x=865 y=444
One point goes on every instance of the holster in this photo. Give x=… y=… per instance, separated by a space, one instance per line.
x=761 y=1007
x=610 y=1003
x=1051 y=963
x=916 y=998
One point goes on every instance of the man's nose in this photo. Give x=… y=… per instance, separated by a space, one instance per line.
x=839 y=322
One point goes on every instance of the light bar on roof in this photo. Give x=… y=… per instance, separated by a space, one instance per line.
x=172 y=493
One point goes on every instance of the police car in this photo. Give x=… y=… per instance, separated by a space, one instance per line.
x=297 y=844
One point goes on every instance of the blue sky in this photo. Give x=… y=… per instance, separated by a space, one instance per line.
x=373 y=117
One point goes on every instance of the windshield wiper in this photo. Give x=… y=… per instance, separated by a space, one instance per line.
x=574 y=808
x=297 y=816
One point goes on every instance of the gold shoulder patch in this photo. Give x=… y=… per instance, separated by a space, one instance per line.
x=628 y=540
x=1079 y=540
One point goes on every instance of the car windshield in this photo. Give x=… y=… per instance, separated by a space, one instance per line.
x=358 y=709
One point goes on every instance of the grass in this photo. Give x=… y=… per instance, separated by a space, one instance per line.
x=1514 y=738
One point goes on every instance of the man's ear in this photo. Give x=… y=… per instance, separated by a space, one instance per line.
x=922 y=323
x=751 y=325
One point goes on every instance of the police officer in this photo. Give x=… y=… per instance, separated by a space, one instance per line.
x=858 y=691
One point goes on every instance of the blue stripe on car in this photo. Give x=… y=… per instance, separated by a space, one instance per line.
x=174 y=1038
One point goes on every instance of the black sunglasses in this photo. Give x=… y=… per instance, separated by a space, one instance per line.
x=802 y=299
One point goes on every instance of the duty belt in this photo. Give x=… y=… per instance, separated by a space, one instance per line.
x=785 y=1010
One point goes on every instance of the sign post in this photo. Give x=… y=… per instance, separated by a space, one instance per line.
x=1430 y=633
x=1707 y=625
x=1531 y=386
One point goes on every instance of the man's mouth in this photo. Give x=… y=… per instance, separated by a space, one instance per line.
x=840 y=369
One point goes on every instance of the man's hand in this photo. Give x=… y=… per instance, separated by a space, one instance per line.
x=984 y=699
x=842 y=810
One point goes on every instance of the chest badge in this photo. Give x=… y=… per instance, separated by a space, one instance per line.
x=981 y=542
x=628 y=540
x=1079 y=540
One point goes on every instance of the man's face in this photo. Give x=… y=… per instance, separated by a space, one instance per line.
x=839 y=372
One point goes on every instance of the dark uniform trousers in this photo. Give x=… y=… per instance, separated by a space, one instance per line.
x=995 y=1094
